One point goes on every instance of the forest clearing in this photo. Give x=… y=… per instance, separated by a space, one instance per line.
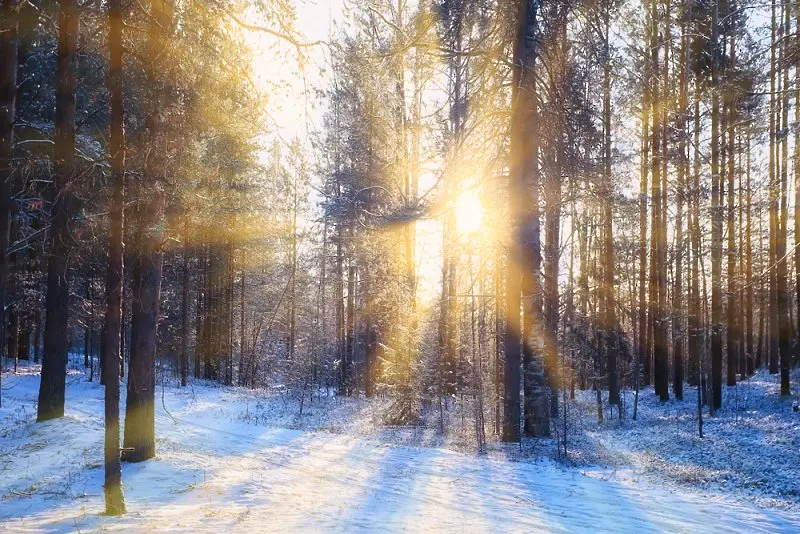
x=400 y=265
x=231 y=459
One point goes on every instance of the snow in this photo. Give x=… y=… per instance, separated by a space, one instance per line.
x=224 y=465
x=750 y=449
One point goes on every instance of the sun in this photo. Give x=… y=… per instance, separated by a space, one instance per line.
x=469 y=212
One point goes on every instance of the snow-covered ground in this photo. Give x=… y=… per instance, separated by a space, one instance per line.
x=222 y=465
x=750 y=448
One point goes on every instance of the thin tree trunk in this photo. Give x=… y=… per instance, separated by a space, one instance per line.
x=772 y=343
x=733 y=307
x=552 y=198
x=184 y=370
x=716 y=226
x=784 y=301
x=796 y=173
x=680 y=193
x=609 y=297
x=749 y=264
x=242 y=323
x=644 y=167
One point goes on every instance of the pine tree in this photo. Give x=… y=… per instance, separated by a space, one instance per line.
x=9 y=10
x=56 y=332
x=115 y=503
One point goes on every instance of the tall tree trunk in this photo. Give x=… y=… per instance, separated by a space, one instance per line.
x=498 y=342
x=716 y=222
x=228 y=350
x=9 y=11
x=139 y=440
x=772 y=337
x=661 y=350
x=796 y=175
x=13 y=342
x=733 y=307
x=115 y=503
x=457 y=68
x=293 y=274
x=184 y=364
x=657 y=289
x=749 y=262
x=552 y=198
x=784 y=301
x=350 y=339
x=644 y=167
x=54 y=359
x=536 y=420
x=243 y=350
x=762 y=303
x=37 y=336
x=341 y=327
x=525 y=236
x=680 y=193
x=610 y=326
x=200 y=313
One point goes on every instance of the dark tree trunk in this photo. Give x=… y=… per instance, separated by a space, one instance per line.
x=796 y=179
x=341 y=327
x=87 y=335
x=716 y=223
x=678 y=332
x=657 y=288
x=13 y=341
x=37 y=336
x=199 y=318
x=115 y=503
x=610 y=326
x=524 y=259
x=643 y=351
x=749 y=303
x=552 y=218
x=733 y=307
x=350 y=338
x=139 y=441
x=124 y=322
x=772 y=323
x=526 y=189
x=784 y=300
x=54 y=359
x=9 y=10
x=184 y=364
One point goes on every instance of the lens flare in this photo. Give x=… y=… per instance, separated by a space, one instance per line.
x=469 y=213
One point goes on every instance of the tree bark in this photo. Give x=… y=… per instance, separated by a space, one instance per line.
x=609 y=300
x=9 y=21
x=772 y=336
x=524 y=252
x=784 y=301
x=644 y=167
x=716 y=222
x=184 y=364
x=139 y=441
x=680 y=193
x=733 y=307
x=115 y=503
x=54 y=358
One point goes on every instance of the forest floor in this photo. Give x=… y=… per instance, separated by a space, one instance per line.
x=237 y=460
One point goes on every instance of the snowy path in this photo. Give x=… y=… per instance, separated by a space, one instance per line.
x=216 y=474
